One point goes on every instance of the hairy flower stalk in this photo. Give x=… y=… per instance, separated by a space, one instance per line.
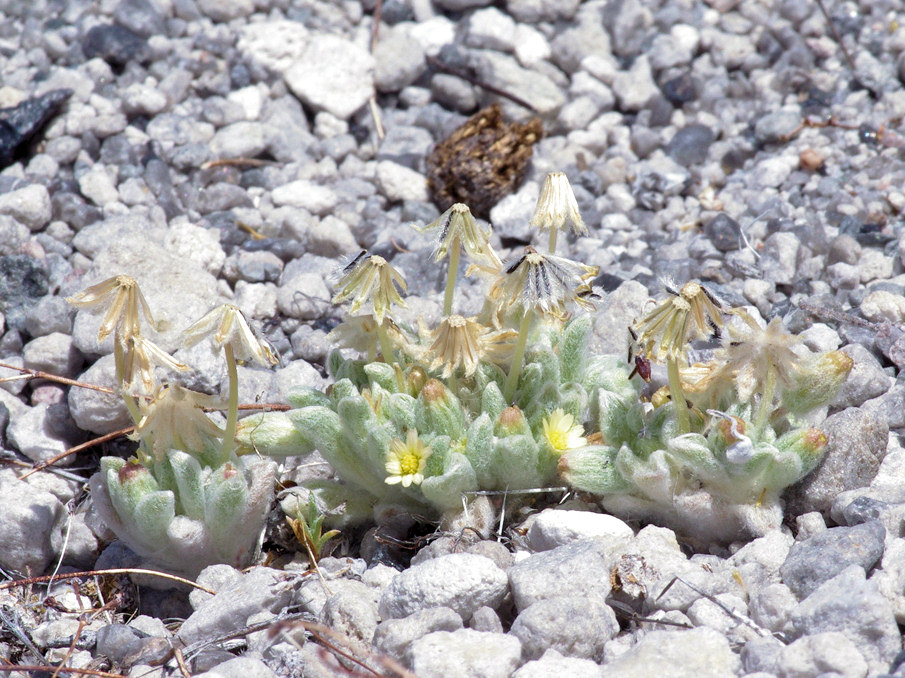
x=457 y=230
x=228 y=330
x=556 y=205
x=539 y=285
x=687 y=314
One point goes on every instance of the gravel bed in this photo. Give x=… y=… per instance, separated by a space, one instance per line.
x=244 y=150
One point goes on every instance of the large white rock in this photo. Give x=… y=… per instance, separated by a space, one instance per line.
x=333 y=75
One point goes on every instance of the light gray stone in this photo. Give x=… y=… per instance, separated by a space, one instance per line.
x=273 y=44
x=503 y=71
x=259 y=589
x=461 y=581
x=635 y=87
x=395 y=636
x=535 y=11
x=97 y=411
x=52 y=353
x=554 y=664
x=33 y=433
x=240 y=667
x=333 y=74
x=31 y=523
x=698 y=653
x=771 y=605
x=352 y=610
x=244 y=139
x=303 y=295
x=399 y=61
x=778 y=260
x=306 y=194
x=554 y=527
x=849 y=604
x=465 y=653
x=570 y=570
x=576 y=626
x=29 y=206
x=399 y=183
x=855 y=449
x=226 y=10
x=822 y=654
x=866 y=380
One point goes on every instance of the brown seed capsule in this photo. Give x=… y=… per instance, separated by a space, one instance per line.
x=810 y=160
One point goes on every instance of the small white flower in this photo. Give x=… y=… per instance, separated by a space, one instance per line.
x=407 y=460
x=557 y=205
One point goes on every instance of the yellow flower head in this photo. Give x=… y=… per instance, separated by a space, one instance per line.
x=544 y=283
x=557 y=205
x=226 y=326
x=458 y=228
x=124 y=299
x=689 y=313
x=406 y=460
x=370 y=277
x=562 y=432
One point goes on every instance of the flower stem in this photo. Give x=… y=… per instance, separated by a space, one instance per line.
x=678 y=396
x=518 y=356
x=386 y=348
x=553 y=233
x=451 y=276
x=232 y=414
x=120 y=361
x=766 y=402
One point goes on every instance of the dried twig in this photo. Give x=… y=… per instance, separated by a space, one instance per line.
x=40 y=374
x=28 y=581
x=438 y=65
x=30 y=668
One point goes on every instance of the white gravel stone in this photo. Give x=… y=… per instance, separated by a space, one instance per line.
x=635 y=87
x=98 y=185
x=245 y=139
x=399 y=61
x=30 y=526
x=333 y=74
x=491 y=29
x=399 y=183
x=305 y=194
x=874 y=265
x=882 y=305
x=698 y=653
x=52 y=353
x=531 y=46
x=465 y=654
x=553 y=528
x=29 y=206
x=274 y=44
x=461 y=581
x=143 y=98
x=822 y=654
x=304 y=296
x=197 y=244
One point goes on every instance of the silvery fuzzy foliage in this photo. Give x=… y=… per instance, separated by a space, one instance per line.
x=182 y=516
x=700 y=483
x=479 y=442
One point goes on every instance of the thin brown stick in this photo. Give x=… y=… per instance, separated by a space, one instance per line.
x=444 y=68
x=375 y=28
x=235 y=162
x=92 y=573
x=838 y=39
x=78 y=448
x=40 y=374
x=75 y=639
x=31 y=668
x=180 y=662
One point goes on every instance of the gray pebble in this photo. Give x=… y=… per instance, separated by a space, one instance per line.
x=395 y=636
x=575 y=626
x=466 y=653
x=690 y=144
x=30 y=526
x=823 y=556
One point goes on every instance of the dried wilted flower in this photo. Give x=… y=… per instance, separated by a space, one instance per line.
x=463 y=342
x=360 y=333
x=557 y=205
x=692 y=312
x=174 y=419
x=226 y=325
x=124 y=298
x=544 y=283
x=457 y=229
x=370 y=277
x=141 y=356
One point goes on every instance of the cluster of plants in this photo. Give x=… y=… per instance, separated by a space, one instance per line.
x=420 y=419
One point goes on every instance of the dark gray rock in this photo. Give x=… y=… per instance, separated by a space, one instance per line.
x=816 y=560
x=690 y=144
x=20 y=124
x=117 y=45
x=117 y=641
x=724 y=232
x=23 y=280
